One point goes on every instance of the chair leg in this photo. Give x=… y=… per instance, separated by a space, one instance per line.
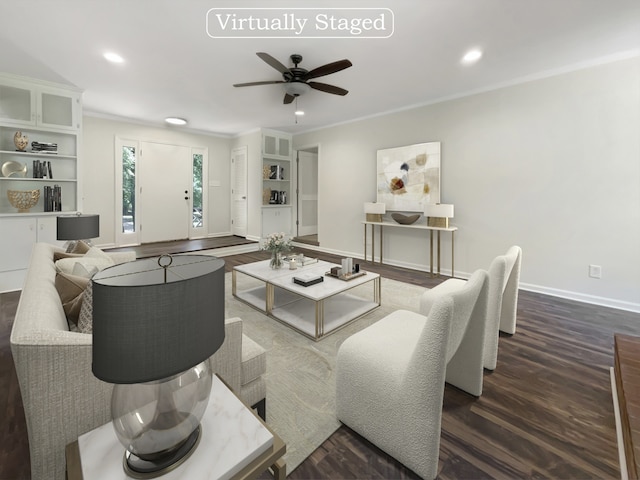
x=261 y=407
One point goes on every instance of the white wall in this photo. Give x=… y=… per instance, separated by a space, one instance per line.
x=552 y=165
x=98 y=171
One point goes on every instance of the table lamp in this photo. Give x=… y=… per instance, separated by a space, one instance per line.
x=77 y=227
x=438 y=214
x=374 y=211
x=156 y=321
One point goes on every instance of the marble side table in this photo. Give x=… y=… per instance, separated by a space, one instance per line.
x=235 y=444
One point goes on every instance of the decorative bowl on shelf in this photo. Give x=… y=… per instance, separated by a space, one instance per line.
x=23 y=200
x=405 y=219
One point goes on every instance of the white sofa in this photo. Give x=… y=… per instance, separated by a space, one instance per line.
x=61 y=397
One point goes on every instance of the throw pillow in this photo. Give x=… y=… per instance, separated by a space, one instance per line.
x=93 y=258
x=85 y=320
x=80 y=247
x=57 y=255
x=71 y=289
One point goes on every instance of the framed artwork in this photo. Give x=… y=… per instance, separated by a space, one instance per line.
x=409 y=177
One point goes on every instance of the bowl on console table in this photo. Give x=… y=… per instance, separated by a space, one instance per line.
x=405 y=219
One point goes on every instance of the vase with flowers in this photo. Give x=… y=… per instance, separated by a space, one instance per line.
x=277 y=244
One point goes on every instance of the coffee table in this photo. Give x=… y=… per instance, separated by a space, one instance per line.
x=314 y=311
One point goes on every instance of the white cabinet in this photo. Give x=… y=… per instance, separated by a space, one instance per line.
x=276 y=219
x=35 y=105
x=18 y=234
x=276 y=144
x=276 y=182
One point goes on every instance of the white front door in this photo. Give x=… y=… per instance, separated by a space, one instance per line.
x=307 y=193
x=239 y=192
x=165 y=192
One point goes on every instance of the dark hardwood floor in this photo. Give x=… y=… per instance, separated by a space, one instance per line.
x=545 y=412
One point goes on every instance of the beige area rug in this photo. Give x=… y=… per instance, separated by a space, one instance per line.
x=301 y=372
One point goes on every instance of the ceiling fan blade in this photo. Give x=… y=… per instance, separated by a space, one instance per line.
x=323 y=87
x=273 y=62
x=328 y=69
x=288 y=98
x=251 y=84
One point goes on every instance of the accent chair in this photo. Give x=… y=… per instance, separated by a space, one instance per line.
x=390 y=376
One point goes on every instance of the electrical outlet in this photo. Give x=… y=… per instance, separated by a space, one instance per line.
x=595 y=271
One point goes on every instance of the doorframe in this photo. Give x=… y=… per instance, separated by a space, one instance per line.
x=315 y=148
x=132 y=239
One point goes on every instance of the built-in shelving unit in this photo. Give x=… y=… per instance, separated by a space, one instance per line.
x=276 y=182
x=48 y=114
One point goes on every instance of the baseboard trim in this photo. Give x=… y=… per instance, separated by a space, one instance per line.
x=554 y=292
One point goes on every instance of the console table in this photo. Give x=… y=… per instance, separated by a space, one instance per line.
x=417 y=226
x=235 y=444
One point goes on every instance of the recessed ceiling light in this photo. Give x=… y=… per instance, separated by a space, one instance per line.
x=472 y=56
x=299 y=112
x=175 y=121
x=113 y=57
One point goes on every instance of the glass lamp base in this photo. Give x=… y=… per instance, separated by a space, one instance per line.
x=137 y=467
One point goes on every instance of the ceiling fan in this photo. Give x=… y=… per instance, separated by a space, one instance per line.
x=296 y=79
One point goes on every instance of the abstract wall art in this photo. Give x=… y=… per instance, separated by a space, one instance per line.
x=409 y=177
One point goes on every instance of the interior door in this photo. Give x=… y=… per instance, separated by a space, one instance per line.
x=165 y=192
x=307 y=162
x=239 y=202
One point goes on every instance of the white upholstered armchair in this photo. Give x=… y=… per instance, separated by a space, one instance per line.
x=502 y=304
x=390 y=376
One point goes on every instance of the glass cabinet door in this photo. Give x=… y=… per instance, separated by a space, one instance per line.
x=57 y=109
x=17 y=104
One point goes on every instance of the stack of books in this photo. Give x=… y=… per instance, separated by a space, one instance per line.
x=52 y=199
x=44 y=147
x=42 y=169
x=307 y=279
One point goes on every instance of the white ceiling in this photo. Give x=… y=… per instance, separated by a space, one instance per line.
x=173 y=68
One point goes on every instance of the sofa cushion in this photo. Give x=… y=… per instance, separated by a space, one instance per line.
x=71 y=289
x=254 y=360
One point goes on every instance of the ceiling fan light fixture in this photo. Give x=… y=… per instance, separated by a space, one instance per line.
x=472 y=56
x=296 y=89
x=175 y=121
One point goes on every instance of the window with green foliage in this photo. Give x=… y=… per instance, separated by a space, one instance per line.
x=197 y=190
x=128 y=189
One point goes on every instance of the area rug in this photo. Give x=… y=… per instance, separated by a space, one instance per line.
x=301 y=372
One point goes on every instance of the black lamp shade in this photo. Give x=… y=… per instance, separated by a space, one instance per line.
x=145 y=329
x=78 y=227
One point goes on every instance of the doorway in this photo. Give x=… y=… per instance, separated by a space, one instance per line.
x=307 y=195
x=239 y=203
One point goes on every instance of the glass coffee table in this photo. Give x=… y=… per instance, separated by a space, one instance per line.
x=314 y=311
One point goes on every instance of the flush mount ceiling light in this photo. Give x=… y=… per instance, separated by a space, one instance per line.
x=113 y=57
x=299 y=112
x=471 y=56
x=175 y=121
